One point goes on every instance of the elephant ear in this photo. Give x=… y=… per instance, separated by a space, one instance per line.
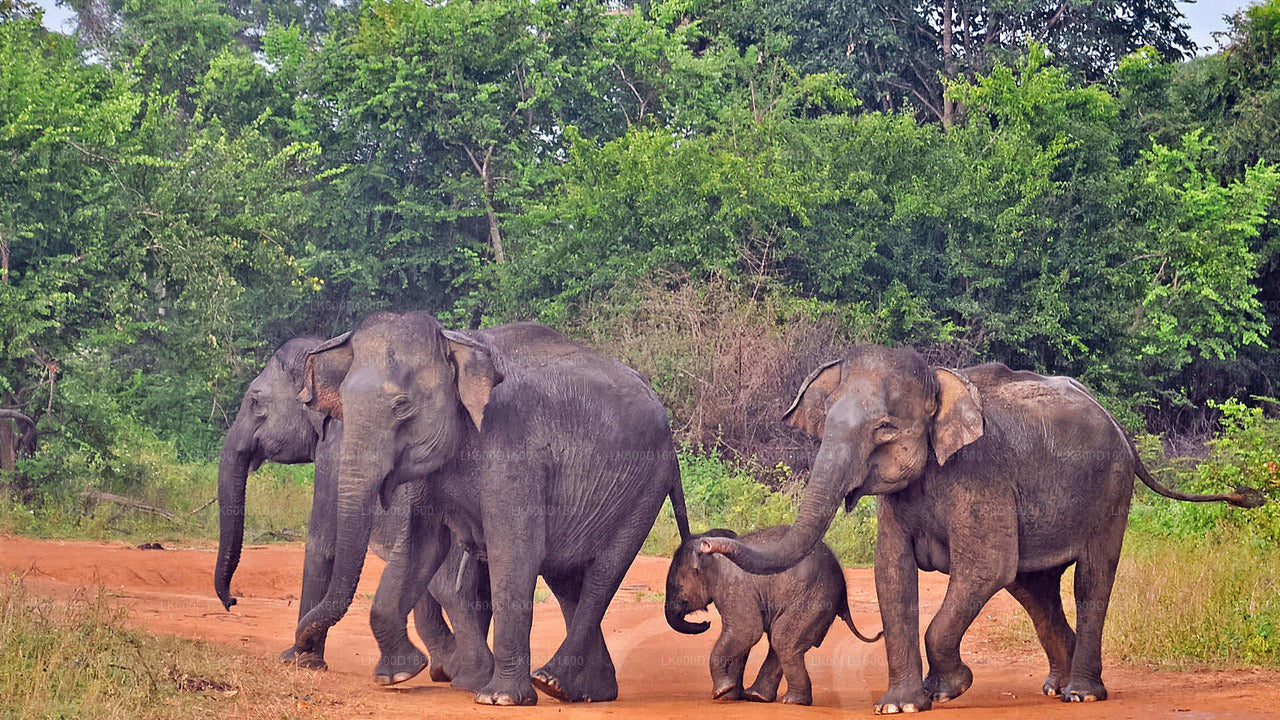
x=325 y=369
x=474 y=371
x=809 y=410
x=958 y=420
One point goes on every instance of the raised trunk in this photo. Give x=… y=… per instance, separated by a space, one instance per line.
x=822 y=499
x=234 y=466
x=363 y=467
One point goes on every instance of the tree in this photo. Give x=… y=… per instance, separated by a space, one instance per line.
x=898 y=54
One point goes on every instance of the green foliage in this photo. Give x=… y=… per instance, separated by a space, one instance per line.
x=1246 y=451
x=1202 y=297
x=138 y=466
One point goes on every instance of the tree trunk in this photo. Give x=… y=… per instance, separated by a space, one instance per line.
x=8 y=448
x=495 y=236
x=948 y=62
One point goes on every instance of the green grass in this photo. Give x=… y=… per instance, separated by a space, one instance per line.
x=1213 y=601
x=277 y=502
x=78 y=659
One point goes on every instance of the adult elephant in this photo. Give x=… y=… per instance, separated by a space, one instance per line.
x=273 y=425
x=556 y=457
x=999 y=478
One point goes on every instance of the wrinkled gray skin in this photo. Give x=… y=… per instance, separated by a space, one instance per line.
x=552 y=458
x=273 y=425
x=795 y=608
x=1001 y=479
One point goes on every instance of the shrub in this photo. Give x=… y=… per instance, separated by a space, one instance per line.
x=726 y=365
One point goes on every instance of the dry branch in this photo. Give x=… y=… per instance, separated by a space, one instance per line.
x=127 y=502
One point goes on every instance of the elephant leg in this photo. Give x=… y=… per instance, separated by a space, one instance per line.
x=516 y=544
x=429 y=623
x=417 y=555
x=897 y=589
x=470 y=666
x=1040 y=594
x=585 y=676
x=765 y=688
x=317 y=567
x=799 y=688
x=741 y=631
x=1095 y=574
x=581 y=669
x=977 y=573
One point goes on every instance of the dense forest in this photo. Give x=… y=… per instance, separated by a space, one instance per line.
x=721 y=192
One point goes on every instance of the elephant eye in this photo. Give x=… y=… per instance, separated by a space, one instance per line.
x=401 y=407
x=257 y=407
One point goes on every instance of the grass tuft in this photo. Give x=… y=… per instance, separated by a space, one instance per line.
x=77 y=658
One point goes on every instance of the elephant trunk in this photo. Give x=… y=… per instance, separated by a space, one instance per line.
x=818 y=508
x=676 y=610
x=362 y=469
x=237 y=460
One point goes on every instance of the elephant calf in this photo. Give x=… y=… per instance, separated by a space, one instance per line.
x=795 y=608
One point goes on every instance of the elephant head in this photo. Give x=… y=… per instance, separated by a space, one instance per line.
x=408 y=392
x=883 y=416
x=271 y=425
x=688 y=589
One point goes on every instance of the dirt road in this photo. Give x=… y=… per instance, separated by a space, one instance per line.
x=661 y=673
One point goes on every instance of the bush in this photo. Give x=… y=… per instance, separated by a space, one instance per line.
x=1246 y=451
x=726 y=365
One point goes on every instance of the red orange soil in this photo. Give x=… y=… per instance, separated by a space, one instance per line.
x=661 y=674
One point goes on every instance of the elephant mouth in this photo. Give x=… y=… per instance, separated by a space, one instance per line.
x=677 y=618
x=851 y=499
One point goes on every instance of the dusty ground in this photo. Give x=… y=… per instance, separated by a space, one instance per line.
x=661 y=673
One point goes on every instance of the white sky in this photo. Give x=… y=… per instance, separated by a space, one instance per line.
x=1204 y=17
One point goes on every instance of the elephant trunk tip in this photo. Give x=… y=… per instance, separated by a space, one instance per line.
x=717 y=545
x=1246 y=497
x=227 y=601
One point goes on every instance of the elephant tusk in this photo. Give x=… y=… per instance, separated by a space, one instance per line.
x=462 y=569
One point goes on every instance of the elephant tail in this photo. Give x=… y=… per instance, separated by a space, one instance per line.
x=1243 y=497
x=676 y=493
x=848 y=620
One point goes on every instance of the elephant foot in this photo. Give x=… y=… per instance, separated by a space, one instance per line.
x=945 y=686
x=438 y=674
x=897 y=700
x=506 y=692
x=798 y=698
x=304 y=660
x=564 y=690
x=399 y=666
x=727 y=691
x=1052 y=685
x=471 y=675
x=757 y=693
x=577 y=678
x=1079 y=690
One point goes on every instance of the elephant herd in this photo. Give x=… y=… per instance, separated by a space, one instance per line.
x=475 y=461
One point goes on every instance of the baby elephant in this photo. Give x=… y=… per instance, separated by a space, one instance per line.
x=795 y=608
